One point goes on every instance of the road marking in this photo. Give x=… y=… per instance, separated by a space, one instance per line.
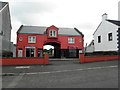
x=70 y=70
x=22 y=67
x=84 y=69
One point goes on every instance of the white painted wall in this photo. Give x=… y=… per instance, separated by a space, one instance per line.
x=89 y=48
x=105 y=28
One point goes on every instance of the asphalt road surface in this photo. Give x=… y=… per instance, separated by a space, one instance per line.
x=62 y=74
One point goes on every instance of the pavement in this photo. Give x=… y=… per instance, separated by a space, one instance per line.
x=62 y=74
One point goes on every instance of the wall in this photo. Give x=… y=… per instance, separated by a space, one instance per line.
x=0 y=29
x=105 y=45
x=13 y=49
x=5 y=23
x=89 y=48
x=24 y=61
x=100 y=58
x=84 y=58
x=40 y=40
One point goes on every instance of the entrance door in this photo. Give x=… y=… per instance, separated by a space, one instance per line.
x=19 y=53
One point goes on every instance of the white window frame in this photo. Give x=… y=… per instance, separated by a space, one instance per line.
x=71 y=40
x=31 y=39
x=52 y=33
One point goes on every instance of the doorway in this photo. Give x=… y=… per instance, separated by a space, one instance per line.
x=53 y=49
x=20 y=51
x=30 y=51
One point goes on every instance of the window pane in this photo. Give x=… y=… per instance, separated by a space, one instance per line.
x=52 y=33
x=27 y=52
x=32 y=52
x=99 y=39
x=110 y=37
x=40 y=53
x=70 y=40
x=31 y=39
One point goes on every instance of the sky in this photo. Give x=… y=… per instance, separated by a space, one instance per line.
x=85 y=15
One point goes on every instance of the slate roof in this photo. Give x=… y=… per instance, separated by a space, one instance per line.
x=115 y=22
x=42 y=30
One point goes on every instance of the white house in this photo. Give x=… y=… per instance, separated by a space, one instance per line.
x=105 y=36
x=90 y=47
x=5 y=29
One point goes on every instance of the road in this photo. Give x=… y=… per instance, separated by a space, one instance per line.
x=62 y=74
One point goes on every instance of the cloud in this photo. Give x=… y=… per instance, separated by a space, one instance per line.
x=82 y=14
x=26 y=11
x=23 y=8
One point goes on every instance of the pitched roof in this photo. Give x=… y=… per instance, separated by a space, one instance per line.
x=91 y=43
x=42 y=30
x=115 y=22
x=111 y=21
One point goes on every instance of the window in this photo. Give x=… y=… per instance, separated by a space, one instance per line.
x=1 y=33
x=99 y=39
x=40 y=52
x=71 y=40
x=110 y=37
x=20 y=39
x=31 y=39
x=30 y=51
x=52 y=33
x=72 y=53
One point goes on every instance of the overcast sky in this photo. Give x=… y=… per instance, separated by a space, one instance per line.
x=82 y=14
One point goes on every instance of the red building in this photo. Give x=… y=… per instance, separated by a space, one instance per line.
x=66 y=41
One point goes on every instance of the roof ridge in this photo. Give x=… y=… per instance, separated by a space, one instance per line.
x=32 y=26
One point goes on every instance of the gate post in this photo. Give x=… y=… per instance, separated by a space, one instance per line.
x=81 y=56
x=46 y=57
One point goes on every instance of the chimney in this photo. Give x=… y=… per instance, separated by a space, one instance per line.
x=104 y=17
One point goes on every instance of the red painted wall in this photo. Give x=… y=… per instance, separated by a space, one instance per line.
x=64 y=42
x=84 y=59
x=100 y=58
x=40 y=41
x=24 y=61
x=52 y=28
